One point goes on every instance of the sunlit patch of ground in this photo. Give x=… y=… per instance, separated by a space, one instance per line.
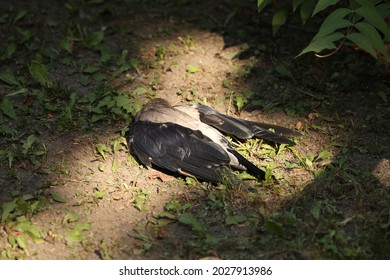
x=75 y=192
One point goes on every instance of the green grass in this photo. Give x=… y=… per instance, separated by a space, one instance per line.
x=320 y=199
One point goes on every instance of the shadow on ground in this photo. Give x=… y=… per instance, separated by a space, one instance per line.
x=330 y=195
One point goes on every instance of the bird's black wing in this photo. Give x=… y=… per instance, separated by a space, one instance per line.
x=245 y=129
x=272 y=132
x=178 y=149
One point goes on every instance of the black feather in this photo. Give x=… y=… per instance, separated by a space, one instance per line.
x=250 y=167
x=178 y=149
x=243 y=129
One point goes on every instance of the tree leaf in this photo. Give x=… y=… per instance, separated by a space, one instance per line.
x=123 y=101
x=325 y=154
x=28 y=143
x=279 y=18
x=95 y=38
x=10 y=158
x=274 y=228
x=284 y=71
x=26 y=34
x=99 y=195
x=9 y=78
x=323 y=43
x=240 y=102
x=365 y=3
x=75 y=234
x=82 y=226
x=333 y=22
x=235 y=219
x=91 y=69
x=362 y=42
x=7 y=107
x=97 y=117
x=383 y=10
x=71 y=217
x=323 y=4
x=67 y=44
x=102 y=167
x=261 y=4
x=189 y=220
x=40 y=73
x=166 y=215
x=140 y=199
x=105 y=52
x=296 y=4
x=372 y=16
x=307 y=9
x=372 y=34
x=8 y=207
x=192 y=69
x=102 y=149
x=99 y=76
x=30 y=229
x=316 y=210
x=17 y=92
x=19 y=16
x=58 y=198
x=21 y=241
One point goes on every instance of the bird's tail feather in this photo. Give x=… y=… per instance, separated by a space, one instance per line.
x=250 y=167
x=275 y=133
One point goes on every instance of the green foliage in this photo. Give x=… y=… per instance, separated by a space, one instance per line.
x=190 y=220
x=235 y=219
x=140 y=199
x=58 y=198
x=7 y=108
x=75 y=234
x=192 y=69
x=115 y=105
x=40 y=73
x=33 y=78
x=362 y=23
x=16 y=214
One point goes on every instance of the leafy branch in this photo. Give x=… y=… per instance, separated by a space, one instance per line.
x=361 y=22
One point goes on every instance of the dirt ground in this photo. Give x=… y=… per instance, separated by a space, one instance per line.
x=329 y=196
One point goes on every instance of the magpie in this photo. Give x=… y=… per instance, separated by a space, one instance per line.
x=189 y=139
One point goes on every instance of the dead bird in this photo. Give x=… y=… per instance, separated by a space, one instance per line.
x=188 y=139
